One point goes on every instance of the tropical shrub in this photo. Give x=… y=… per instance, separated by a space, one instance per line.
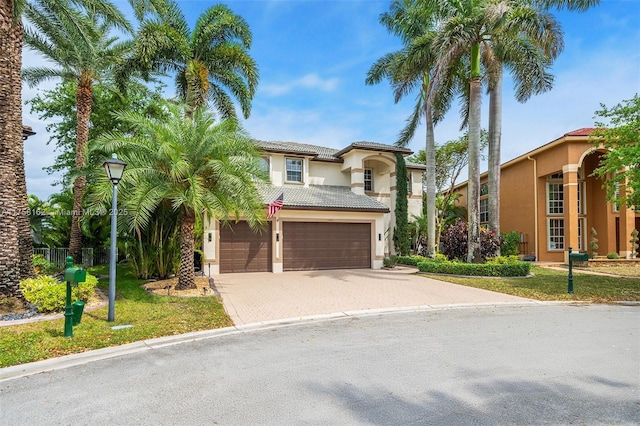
x=510 y=245
x=454 y=242
x=409 y=260
x=389 y=262
x=401 y=235
x=509 y=269
x=49 y=295
x=42 y=266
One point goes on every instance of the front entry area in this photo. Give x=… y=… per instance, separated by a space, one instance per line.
x=326 y=245
x=242 y=250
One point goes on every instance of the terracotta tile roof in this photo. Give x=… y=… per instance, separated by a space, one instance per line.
x=373 y=146
x=411 y=165
x=585 y=131
x=322 y=153
x=321 y=197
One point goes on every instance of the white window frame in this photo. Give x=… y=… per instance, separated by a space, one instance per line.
x=555 y=241
x=582 y=226
x=616 y=208
x=265 y=162
x=484 y=210
x=368 y=179
x=555 y=187
x=290 y=161
x=582 y=195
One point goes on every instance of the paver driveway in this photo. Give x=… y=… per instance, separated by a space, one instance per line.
x=264 y=296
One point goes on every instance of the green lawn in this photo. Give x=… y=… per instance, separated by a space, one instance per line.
x=547 y=284
x=151 y=316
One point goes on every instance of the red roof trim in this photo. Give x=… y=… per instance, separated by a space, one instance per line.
x=585 y=131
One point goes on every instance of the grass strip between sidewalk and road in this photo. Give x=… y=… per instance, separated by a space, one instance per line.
x=150 y=316
x=548 y=284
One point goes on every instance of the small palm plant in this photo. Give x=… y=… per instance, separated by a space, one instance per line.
x=189 y=162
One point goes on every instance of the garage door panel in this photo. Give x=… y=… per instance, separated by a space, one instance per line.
x=242 y=250
x=326 y=245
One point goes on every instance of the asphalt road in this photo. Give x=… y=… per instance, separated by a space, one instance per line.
x=532 y=364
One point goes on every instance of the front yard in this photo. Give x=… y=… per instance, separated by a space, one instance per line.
x=156 y=316
x=150 y=316
x=550 y=284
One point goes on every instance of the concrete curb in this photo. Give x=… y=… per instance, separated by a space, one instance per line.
x=52 y=364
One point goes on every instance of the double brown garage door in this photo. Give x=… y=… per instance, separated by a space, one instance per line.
x=305 y=246
x=326 y=245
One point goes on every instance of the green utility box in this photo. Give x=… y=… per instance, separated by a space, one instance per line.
x=78 y=308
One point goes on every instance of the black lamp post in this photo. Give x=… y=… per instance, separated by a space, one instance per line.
x=115 y=169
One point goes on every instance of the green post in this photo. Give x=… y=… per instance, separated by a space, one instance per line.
x=580 y=257
x=68 y=310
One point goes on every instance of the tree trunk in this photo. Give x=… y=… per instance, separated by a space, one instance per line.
x=495 y=131
x=430 y=152
x=10 y=138
x=84 y=98
x=25 y=245
x=473 y=195
x=186 y=275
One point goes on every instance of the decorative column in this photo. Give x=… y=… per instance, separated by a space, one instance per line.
x=627 y=225
x=570 y=195
x=357 y=180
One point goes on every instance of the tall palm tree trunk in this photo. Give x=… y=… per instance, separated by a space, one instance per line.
x=186 y=275
x=495 y=131
x=431 y=182
x=25 y=245
x=84 y=98
x=473 y=195
x=10 y=137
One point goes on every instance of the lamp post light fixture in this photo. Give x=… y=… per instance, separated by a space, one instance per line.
x=114 y=169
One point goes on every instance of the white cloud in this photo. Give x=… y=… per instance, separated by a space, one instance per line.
x=308 y=81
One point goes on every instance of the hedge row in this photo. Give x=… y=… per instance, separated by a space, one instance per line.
x=515 y=269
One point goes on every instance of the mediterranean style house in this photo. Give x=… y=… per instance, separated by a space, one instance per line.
x=551 y=198
x=337 y=212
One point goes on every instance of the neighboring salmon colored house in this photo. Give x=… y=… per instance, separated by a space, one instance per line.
x=551 y=198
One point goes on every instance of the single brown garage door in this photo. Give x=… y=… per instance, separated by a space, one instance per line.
x=242 y=250
x=319 y=245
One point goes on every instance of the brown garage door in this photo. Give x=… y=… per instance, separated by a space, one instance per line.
x=242 y=250
x=317 y=245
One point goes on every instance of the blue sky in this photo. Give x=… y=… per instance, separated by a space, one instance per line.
x=313 y=58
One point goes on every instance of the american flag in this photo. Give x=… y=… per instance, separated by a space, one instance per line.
x=275 y=205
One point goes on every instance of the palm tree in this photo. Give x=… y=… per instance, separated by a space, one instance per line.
x=210 y=62
x=505 y=32
x=546 y=35
x=408 y=69
x=13 y=197
x=79 y=43
x=189 y=162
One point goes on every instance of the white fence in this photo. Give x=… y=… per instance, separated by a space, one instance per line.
x=90 y=256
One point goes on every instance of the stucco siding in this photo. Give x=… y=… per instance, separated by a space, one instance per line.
x=324 y=173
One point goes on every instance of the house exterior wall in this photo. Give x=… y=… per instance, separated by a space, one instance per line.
x=524 y=201
x=325 y=173
x=349 y=173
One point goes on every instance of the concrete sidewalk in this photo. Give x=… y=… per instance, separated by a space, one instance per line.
x=263 y=296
